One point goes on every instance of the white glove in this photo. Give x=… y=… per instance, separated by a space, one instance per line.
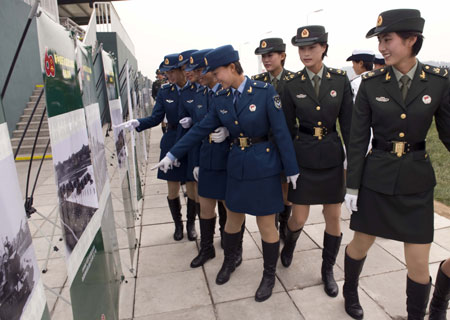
x=176 y=163
x=129 y=125
x=351 y=201
x=220 y=134
x=164 y=165
x=186 y=122
x=195 y=173
x=293 y=180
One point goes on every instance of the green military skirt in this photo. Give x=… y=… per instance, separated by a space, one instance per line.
x=407 y=218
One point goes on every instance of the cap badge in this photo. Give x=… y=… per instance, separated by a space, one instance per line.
x=252 y=108
x=206 y=61
x=426 y=99
x=180 y=58
x=333 y=93
x=263 y=44
x=191 y=60
x=379 y=21
x=305 y=33
x=166 y=61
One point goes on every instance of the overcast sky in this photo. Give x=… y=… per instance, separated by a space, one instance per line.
x=161 y=27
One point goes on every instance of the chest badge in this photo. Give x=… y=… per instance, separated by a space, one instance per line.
x=333 y=93
x=426 y=99
x=301 y=96
x=199 y=106
x=382 y=99
x=169 y=101
x=189 y=101
x=252 y=108
x=223 y=111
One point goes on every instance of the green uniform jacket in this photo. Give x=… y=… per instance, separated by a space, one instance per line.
x=379 y=105
x=285 y=76
x=335 y=101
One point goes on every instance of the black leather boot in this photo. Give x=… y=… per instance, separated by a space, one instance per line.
x=283 y=218
x=207 y=250
x=441 y=296
x=287 y=253
x=417 y=299
x=239 y=249
x=222 y=220
x=352 y=270
x=231 y=243
x=197 y=209
x=175 y=210
x=190 y=215
x=270 y=255
x=331 y=245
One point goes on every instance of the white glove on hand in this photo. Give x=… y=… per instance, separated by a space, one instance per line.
x=129 y=125
x=293 y=180
x=164 y=165
x=195 y=173
x=220 y=134
x=186 y=122
x=351 y=201
x=176 y=163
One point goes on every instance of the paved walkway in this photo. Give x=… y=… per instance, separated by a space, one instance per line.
x=167 y=288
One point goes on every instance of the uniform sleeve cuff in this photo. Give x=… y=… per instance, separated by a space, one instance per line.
x=352 y=191
x=171 y=156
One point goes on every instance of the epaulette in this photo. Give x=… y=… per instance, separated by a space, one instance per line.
x=261 y=77
x=337 y=71
x=257 y=84
x=289 y=75
x=166 y=86
x=375 y=73
x=295 y=75
x=443 y=72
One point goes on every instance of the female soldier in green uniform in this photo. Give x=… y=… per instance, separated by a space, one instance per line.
x=390 y=191
x=316 y=97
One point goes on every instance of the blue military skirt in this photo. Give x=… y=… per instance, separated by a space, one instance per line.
x=177 y=173
x=212 y=184
x=259 y=197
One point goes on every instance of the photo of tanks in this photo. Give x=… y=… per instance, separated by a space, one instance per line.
x=77 y=190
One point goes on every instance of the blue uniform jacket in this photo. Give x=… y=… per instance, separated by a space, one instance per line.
x=258 y=111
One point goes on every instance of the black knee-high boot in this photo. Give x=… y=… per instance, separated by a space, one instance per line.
x=207 y=250
x=441 y=296
x=331 y=245
x=222 y=220
x=239 y=249
x=352 y=270
x=231 y=243
x=287 y=253
x=190 y=215
x=270 y=255
x=175 y=210
x=417 y=299
x=283 y=219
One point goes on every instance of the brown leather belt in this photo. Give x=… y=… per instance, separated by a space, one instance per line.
x=398 y=147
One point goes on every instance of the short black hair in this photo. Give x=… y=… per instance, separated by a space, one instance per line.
x=418 y=45
x=324 y=54
x=238 y=67
x=368 y=66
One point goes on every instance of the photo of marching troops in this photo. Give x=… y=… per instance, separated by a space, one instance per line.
x=274 y=144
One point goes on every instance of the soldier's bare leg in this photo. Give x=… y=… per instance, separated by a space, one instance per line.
x=266 y=226
x=417 y=259
x=207 y=208
x=332 y=215
x=173 y=188
x=299 y=216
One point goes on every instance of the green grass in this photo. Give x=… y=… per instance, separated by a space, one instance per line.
x=440 y=158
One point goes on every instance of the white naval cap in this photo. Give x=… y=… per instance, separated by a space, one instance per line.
x=362 y=55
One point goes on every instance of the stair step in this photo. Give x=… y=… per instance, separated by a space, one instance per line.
x=36 y=117
x=33 y=125
x=39 y=110
x=45 y=132
x=29 y=141
x=34 y=97
x=30 y=104
x=26 y=150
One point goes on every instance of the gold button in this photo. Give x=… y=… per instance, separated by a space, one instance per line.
x=236 y=122
x=401 y=134
x=319 y=123
x=242 y=148
x=241 y=134
x=268 y=149
x=403 y=116
x=317 y=108
x=426 y=155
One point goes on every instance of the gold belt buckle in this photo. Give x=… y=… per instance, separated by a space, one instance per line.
x=209 y=138
x=318 y=132
x=243 y=142
x=398 y=147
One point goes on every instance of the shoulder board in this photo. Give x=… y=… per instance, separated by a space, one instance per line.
x=443 y=72
x=374 y=73
x=222 y=92
x=166 y=86
x=337 y=71
x=261 y=77
x=293 y=75
x=258 y=84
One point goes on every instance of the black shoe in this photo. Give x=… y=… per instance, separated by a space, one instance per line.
x=207 y=250
x=417 y=299
x=352 y=270
x=270 y=255
x=283 y=219
x=287 y=253
x=331 y=245
x=190 y=225
x=441 y=296
x=231 y=243
x=175 y=210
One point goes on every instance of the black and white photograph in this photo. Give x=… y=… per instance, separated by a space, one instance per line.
x=77 y=191
x=19 y=272
x=119 y=134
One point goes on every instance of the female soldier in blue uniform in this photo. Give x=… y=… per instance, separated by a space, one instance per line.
x=167 y=104
x=316 y=97
x=390 y=191
x=273 y=56
x=249 y=110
